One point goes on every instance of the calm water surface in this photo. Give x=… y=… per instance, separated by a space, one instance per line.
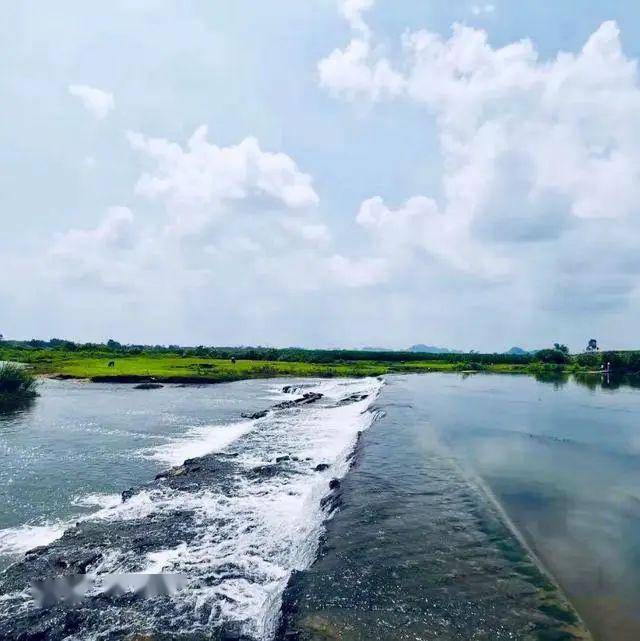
x=564 y=461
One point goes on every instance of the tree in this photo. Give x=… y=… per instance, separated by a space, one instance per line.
x=561 y=348
x=552 y=356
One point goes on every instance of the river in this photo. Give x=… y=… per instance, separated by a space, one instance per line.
x=425 y=537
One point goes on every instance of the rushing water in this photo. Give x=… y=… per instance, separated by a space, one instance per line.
x=80 y=444
x=234 y=525
x=416 y=551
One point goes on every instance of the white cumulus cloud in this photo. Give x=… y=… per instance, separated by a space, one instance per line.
x=541 y=160
x=101 y=255
x=204 y=181
x=96 y=101
x=353 y=10
x=354 y=73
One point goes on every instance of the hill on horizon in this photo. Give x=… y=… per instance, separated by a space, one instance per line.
x=432 y=349
x=517 y=351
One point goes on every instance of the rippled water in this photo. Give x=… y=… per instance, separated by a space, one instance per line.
x=235 y=525
x=418 y=551
x=80 y=444
x=561 y=458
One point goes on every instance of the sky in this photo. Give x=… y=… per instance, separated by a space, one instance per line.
x=321 y=173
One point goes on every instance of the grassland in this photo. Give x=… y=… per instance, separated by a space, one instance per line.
x=175 y=368
x=113 y=362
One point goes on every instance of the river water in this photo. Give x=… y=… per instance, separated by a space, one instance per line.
x=416 y=549
x=80 y=444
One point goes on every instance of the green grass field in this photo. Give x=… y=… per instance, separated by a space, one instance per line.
x=174 y=368
x=215 y=364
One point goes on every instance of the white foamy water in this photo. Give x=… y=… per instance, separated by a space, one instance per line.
x=18 y=540
x=199 y=441
x=250 y=531
x=96 y=499
x=21 y=539
x=253 y=534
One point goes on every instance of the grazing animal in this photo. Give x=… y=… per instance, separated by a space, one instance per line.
x=233 y=360
x=112 y=363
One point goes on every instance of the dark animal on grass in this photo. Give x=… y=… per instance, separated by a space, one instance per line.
x=112 y=363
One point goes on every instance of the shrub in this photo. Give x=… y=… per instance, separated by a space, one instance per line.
x=552 y=356
x=588 y=359
x=16 y=382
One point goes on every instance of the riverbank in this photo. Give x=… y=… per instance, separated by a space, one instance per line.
x=173 y=368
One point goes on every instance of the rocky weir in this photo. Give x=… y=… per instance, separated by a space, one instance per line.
x=232 y=526
x=270 y=538
x=419 y=551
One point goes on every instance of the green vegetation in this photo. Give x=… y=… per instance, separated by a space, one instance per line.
x=137 y=363
x=17 y=386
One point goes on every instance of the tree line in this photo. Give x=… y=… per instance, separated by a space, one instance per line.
x=557 y=355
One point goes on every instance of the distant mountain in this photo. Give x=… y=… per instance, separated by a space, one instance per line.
x=431 y=349
x=517 y=351
x=369 y=348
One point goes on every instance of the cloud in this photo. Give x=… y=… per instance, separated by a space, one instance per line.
x=356 y=272
x=232 y=220
x=203 y=181
x=101 y=256
x=353 y=10
x=353 y=73
x=114 y=231
x=96 y=101
x=317 y=233
x=541 y=160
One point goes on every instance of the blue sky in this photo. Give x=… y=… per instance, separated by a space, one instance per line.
x=97 y=256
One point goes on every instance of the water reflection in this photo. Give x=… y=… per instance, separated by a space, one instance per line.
x=12 y=408
x=561 y=454
x=593 y=381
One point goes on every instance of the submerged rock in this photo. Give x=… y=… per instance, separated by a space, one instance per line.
x=255 y=415
x=148 y=386
x=354 y=398
x=305 y=399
